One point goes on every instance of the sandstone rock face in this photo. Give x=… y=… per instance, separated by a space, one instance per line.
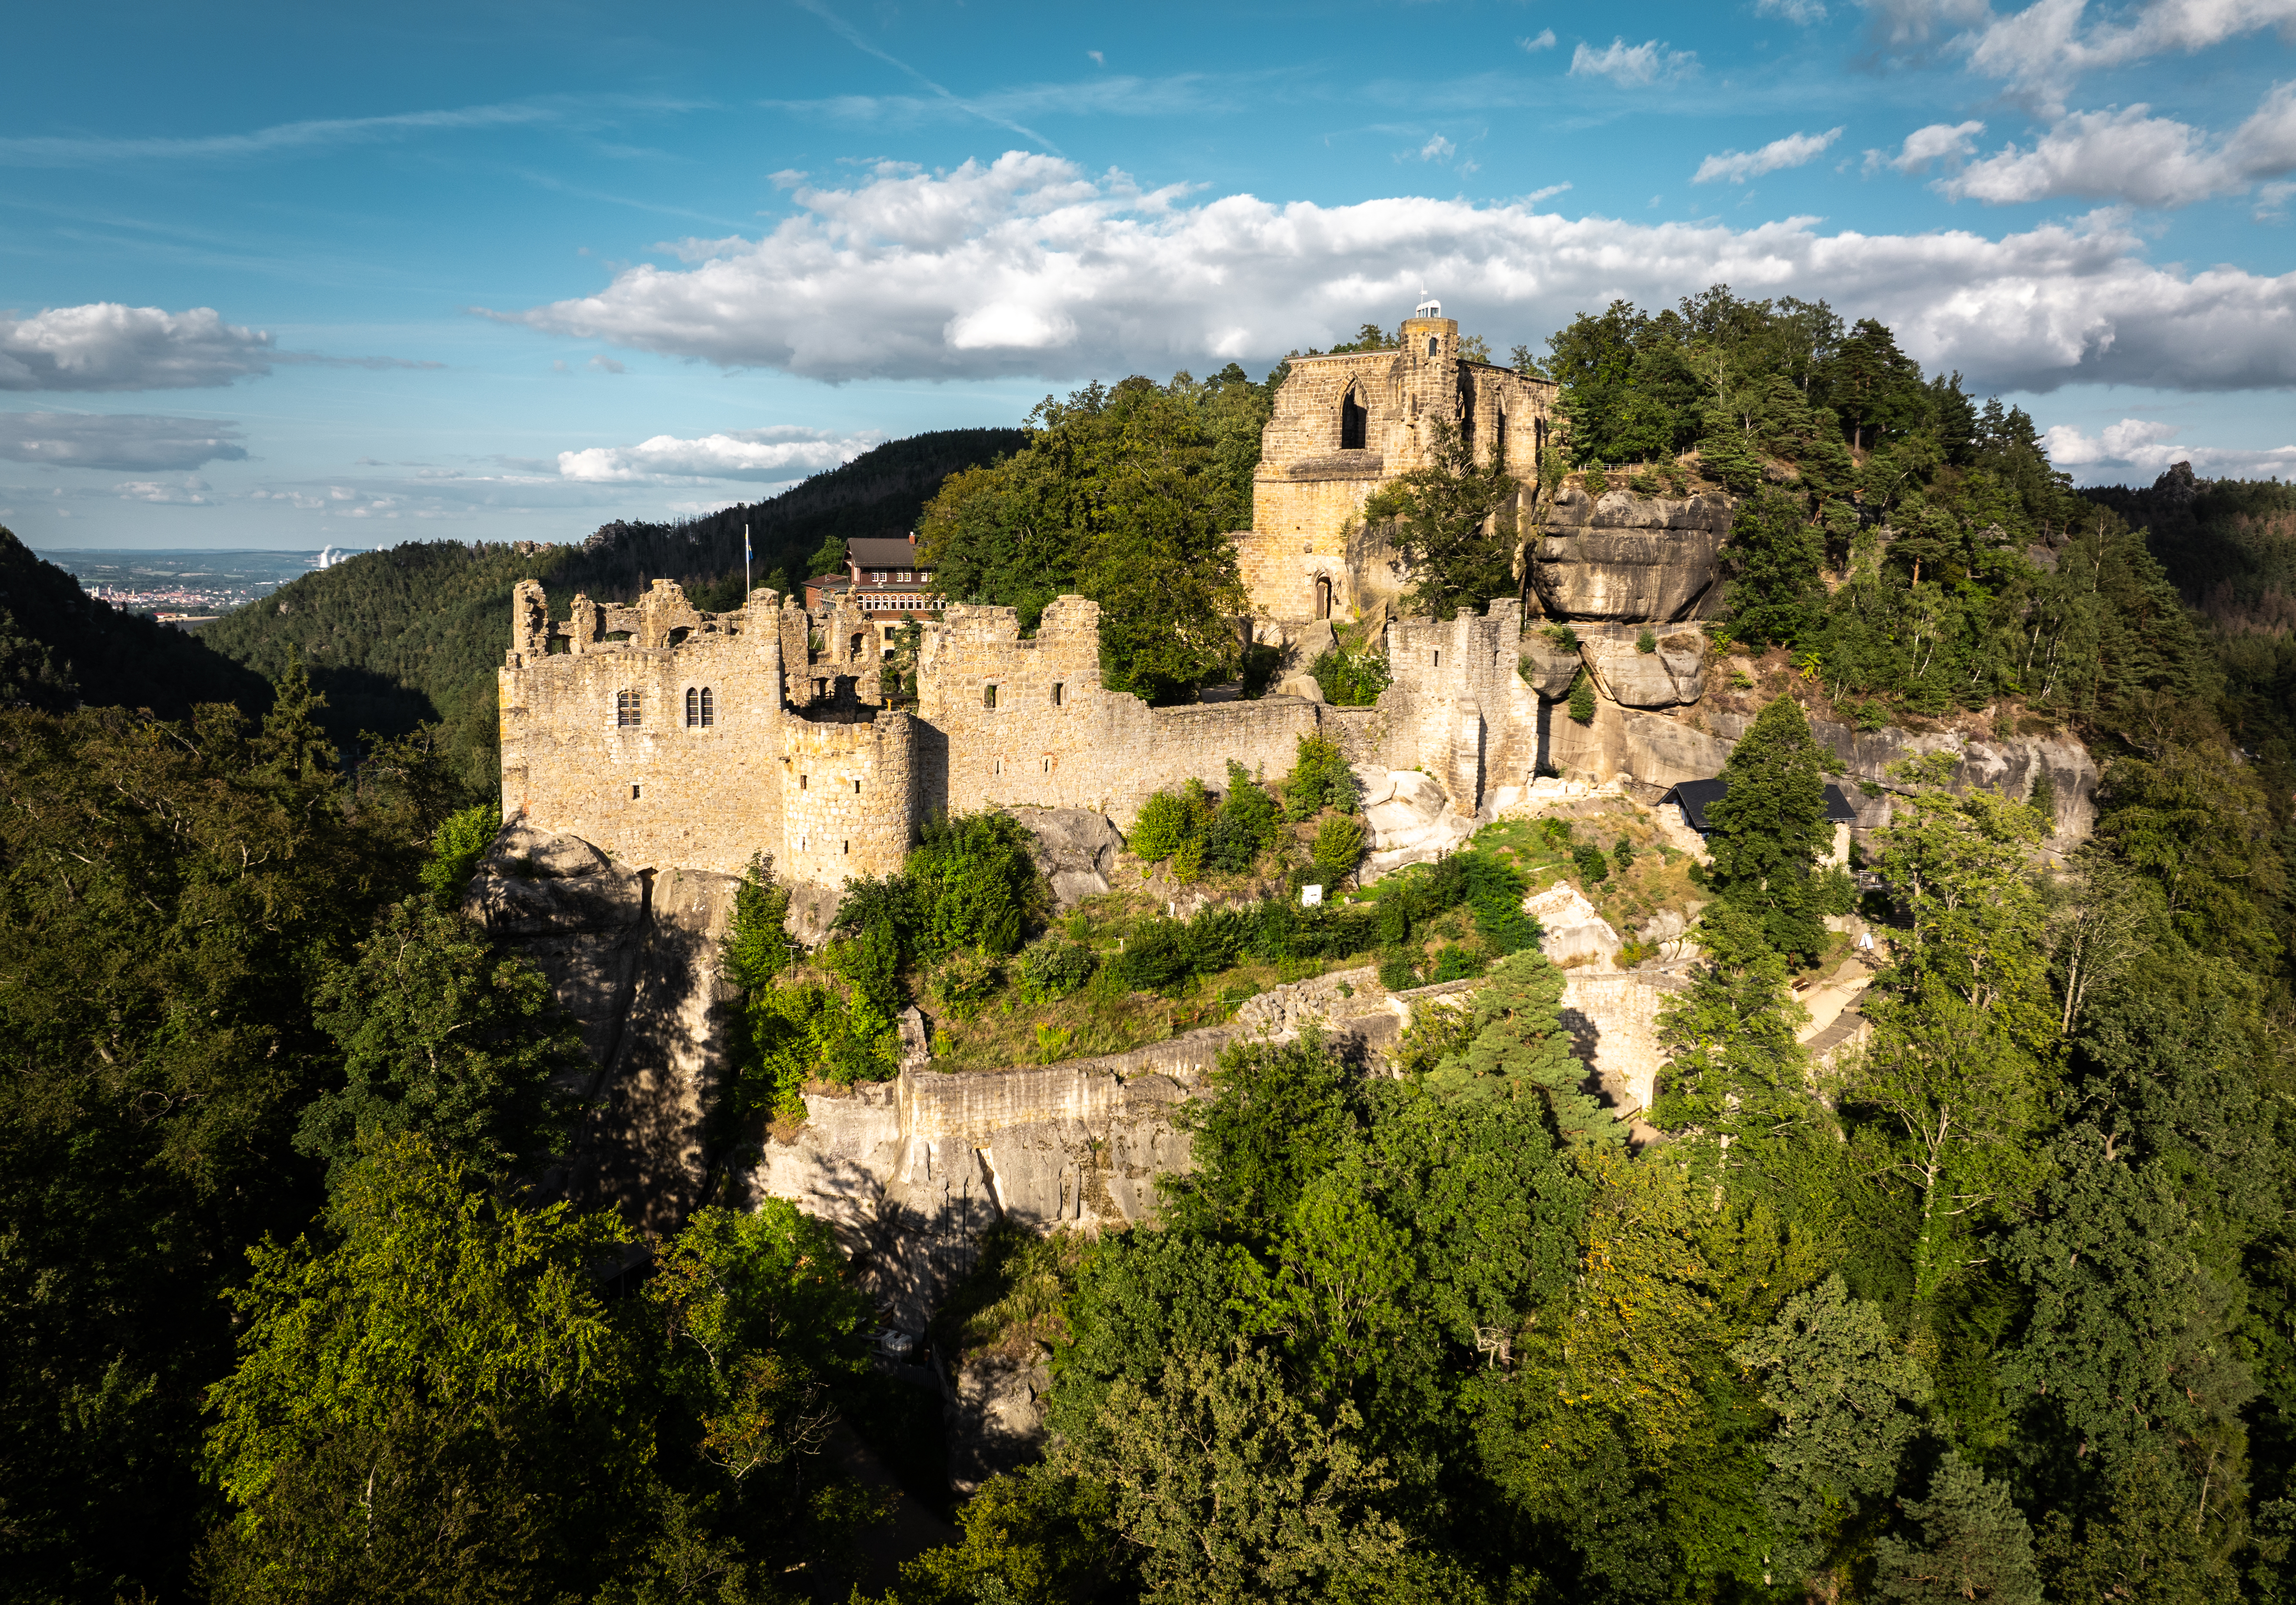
x=1570 y=931
x=1412 y=822
x=1669 y=678
x=633 y=957
x=1075 y=848
x=1300 y=684
x=1552 y=667
x=995 y=1416
x=1630 y=558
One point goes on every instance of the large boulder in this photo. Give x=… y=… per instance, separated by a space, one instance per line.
x=1075 y=848
x=1630 y=558
x=1412 y=822
x=1673 y=675
x=1548 y=667
x=1570 y=931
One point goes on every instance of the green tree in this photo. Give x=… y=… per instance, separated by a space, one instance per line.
x=1770 y=829
x=444 y=1032
x=1127 y=496
x=1338 y=847
x=1520 y=1052
x=1735 y=1075
x=1974 y=1544
x=1846 y=1402
x=1228 y=1491
x=1453 y=523
x=1773 y=558
x=408 y=1398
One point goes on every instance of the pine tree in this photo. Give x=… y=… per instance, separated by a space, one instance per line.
x=1582 y=699
x=293 y=751
x=1521 y=1049
x=1974 y=1546
x=1770 y=829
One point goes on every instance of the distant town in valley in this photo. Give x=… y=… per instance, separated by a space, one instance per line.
x=187 y=586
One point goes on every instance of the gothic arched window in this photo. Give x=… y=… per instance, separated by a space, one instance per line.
x=1355 y=421
x=708 y=708
x=692 y=706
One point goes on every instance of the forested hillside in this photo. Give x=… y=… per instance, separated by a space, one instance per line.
x=59 y=648
x=413 y=634
x=2000 y=1306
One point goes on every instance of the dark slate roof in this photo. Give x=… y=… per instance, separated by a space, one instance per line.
x=1697 y=796
x=883 y=551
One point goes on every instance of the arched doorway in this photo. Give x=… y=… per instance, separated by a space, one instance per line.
x=1322 y=596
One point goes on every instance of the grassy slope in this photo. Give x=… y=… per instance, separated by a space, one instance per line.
x=59 y=646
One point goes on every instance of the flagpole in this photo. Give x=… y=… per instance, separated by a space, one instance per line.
x=745 y=568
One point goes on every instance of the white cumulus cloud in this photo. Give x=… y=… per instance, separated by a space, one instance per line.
x=1792 y=152
x=127 y=442
x=104 y=346
x=2044 y=48
x=769 y=455
x=1804 y=12
x=1544 y=39
x=1951 y=143
x=1632 y=65
x=2131 y=156
x=1437 y=148
x=1025 y=266
x=107 y=346
x=2144 y=447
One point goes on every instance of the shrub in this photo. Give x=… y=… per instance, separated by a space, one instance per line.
x=1155 y=958
x=1622 y=856
x=1646 y=643
x=1562 y=637
x=1596 y=481
x=1338 y=847
x=1054 y=968
x=1245 y=826
x=1349 y=679
x=1396 y=973
x=1455 y=963
x=964 y=981
x=974 y=883
x=1261 y=665
x=1320 y=779
x=1594 y=869
x=1645 y=483
x=1163 y=825
x=1582 y=699
x=461 y=840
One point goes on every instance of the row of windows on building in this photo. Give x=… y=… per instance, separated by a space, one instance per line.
x=702 y=704
x=700 y=708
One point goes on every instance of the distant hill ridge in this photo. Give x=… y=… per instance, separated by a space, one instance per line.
x=59 y=648
x=414 y=634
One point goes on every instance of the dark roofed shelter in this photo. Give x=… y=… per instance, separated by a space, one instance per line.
x=1695 y=796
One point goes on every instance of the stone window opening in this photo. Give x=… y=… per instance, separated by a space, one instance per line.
x=845 y=846
x=1058 y=691
x=709 y=707
x=1048 y=765
x=800 y=782
x=1431 y=345
x=633 y=790
x=1438 y=657
x=1322 y=596
x=693 y=707
x=1355 y=422
x=856 y=652
x=856 y=788
x=1498 y=445
x=629 y=711
x=988 y=696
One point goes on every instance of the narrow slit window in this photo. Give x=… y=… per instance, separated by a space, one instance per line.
x=1057 y=691
x=856 y=788
x=988 y=696
x=628 y=711
x=1431 y=345
x=633 y=790
x=708 y=708
x=844 y=847
x=1438 y=657
x=693 y=707
x=800 y=782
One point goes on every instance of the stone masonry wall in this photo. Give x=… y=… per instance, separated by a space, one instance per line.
x=1308 y=492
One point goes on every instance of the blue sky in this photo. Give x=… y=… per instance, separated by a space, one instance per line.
x=291 y=276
